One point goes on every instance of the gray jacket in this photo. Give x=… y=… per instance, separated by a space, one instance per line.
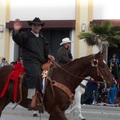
x=63 y=55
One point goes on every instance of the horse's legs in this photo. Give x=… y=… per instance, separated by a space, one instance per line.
x=3 y=103
x=6 y=99
x=57 y=114
x=1 y=106
x=77 y=102
x=78 y=92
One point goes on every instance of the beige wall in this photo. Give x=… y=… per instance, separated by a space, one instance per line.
x=12 y=9
x=77 y=29
x=2 y=22
x=83 y=11
x=5 y=36
x=84 y=14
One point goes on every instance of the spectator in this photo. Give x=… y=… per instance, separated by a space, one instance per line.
x=118 y=95
x=96 y=94
x=114 y=64
x=88 y=96
x=12 y=63
x=4 y=62
x=112 y=94
x=102 y=90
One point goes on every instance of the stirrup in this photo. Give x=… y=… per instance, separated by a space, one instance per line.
x=40 y=99
x=36 y=103
x=38 y=107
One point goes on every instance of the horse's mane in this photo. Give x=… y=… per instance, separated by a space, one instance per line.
x=80 y=60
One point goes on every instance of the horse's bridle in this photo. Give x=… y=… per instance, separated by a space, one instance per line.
x=94 y=63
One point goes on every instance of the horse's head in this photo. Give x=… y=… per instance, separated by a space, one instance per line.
x=100 y=70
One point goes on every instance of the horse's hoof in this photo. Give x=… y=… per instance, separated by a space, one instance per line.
x=83 y=119
x=35 y=115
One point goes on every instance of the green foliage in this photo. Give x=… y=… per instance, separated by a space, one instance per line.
x=101 y=29
x=104 y=33
x=89 y=38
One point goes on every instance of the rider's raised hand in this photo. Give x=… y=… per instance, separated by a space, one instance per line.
x=17 y=25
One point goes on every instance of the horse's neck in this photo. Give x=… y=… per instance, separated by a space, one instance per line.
x=77 y=69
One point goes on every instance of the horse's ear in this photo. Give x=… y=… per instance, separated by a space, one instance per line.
x=100 y=55
x=100 y=52
x=97 y=55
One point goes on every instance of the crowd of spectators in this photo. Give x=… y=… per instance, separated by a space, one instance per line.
x=101 y=93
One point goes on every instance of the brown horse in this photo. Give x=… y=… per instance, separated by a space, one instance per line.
x=56 y=100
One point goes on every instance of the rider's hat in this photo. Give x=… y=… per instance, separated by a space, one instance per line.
x=65 y=40
x=36 y=21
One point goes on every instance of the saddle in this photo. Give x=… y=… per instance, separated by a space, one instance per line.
x=47 y=65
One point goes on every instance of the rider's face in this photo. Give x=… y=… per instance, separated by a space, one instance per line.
x=36 y=28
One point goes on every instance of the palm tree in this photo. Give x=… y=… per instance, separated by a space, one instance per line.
x=102 y=35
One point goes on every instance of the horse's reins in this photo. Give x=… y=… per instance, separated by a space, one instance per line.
x=67 y=71
x=99 y=72
x=20 y=89
x=76 y=75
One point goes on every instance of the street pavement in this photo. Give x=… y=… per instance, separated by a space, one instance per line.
x=93 y=112
x=90 y=112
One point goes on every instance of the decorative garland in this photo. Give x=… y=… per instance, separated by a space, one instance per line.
x=94 y=62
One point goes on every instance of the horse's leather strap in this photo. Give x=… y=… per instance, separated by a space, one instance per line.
x=83 y=86
x=64 y=88
x=20 y=88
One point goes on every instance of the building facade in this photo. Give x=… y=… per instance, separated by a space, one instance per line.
x=64 y=18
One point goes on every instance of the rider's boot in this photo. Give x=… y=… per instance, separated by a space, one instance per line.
x=35 y=103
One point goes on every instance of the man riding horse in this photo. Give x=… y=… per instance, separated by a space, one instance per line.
x=35 y=52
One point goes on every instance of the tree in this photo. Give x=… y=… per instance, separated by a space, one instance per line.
x=102 y=35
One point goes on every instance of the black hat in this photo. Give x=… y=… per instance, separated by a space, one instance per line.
x=37 y=21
